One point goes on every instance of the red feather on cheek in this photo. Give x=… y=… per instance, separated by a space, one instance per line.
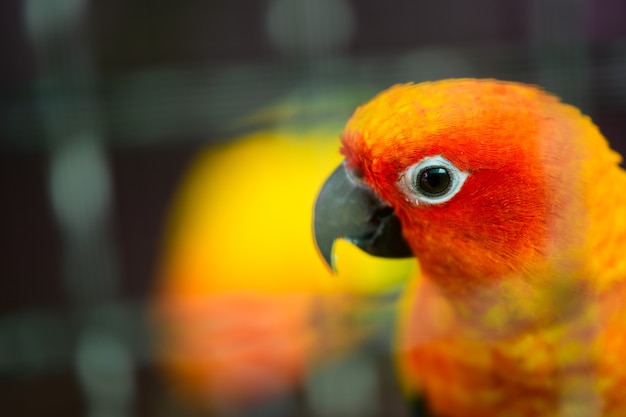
x=491 y=229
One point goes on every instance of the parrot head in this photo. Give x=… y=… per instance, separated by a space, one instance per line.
x=486 y=182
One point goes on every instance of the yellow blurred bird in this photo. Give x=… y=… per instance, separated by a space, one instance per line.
x=244 y=310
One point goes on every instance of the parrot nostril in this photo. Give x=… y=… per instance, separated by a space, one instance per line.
x=355 y=175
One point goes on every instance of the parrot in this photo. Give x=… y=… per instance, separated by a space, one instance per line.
x=237 y=328
x=514 y=205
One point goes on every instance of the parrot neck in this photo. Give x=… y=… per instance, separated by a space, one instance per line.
x=516 y=304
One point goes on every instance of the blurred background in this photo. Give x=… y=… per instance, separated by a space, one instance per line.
x=158 y=165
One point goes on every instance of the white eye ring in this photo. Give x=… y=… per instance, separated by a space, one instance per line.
x=433 y=180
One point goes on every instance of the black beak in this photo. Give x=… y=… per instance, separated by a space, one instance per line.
x=352 y=211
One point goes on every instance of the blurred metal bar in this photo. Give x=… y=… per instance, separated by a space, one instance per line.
x=41 y=342
x=81 y=200
x=561 y=51
x=161 y=105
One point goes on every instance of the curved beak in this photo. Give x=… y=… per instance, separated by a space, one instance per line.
x=352 y=211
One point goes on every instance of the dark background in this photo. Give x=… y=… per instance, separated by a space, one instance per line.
x=136 y=87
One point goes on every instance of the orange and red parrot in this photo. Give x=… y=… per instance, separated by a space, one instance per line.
x=514 y=205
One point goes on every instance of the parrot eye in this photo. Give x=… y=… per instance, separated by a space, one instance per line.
x=433 y=180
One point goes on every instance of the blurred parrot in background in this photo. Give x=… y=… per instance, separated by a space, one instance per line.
x=244 y=312
x=515 y=208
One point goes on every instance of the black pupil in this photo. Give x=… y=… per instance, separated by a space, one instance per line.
x=434 y=180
